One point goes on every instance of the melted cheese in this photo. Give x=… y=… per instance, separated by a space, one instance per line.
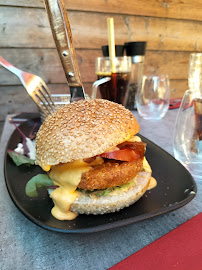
x=146 y=166
x=63 y=199
x=67 y=176
x=152 y=183
x=134 y=139
x=44 y=166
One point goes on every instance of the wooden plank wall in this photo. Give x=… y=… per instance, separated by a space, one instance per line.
x=172 y=29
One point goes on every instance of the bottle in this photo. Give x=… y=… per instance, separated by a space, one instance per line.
x=136 y=50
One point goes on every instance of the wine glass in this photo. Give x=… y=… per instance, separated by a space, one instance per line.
x=187 y=144
x=153 y=96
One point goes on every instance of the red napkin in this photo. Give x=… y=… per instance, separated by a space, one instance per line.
x=180 y=249
x=175 y=103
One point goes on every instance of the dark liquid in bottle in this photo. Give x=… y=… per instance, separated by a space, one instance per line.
x=198 y=117
x=115 y=89
x=131 y=102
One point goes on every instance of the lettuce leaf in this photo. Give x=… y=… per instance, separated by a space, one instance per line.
x=105 y=192
x=37 y=182
x=20 y=159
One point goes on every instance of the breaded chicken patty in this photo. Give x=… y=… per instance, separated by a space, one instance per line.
x=110 y=174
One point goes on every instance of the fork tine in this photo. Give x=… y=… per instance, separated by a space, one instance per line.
x=49 y=100
x=47 y=92
x=45 y=112
x=39 y=93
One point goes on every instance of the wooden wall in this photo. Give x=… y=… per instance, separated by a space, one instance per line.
x=172 y=29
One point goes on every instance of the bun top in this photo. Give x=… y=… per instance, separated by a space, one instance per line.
x=83 y=129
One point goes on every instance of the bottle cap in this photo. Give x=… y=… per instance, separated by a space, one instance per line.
x=135 y=48
x=119 y=49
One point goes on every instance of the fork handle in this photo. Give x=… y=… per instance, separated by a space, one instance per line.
x=10 y=67
x=61 y=31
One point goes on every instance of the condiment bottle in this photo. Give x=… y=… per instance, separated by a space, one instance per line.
x=137 y=52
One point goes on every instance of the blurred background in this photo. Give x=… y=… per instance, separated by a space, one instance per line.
x=172 y=29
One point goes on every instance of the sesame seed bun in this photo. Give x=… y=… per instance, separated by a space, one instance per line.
x=83 y=129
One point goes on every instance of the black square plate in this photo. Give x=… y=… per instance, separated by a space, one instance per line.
x=175 y=188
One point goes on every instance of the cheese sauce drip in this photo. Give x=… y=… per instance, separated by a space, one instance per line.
x=152 y=183
x=67 y=176
x=45 y=167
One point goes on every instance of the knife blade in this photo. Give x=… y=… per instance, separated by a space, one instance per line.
x=62 y=35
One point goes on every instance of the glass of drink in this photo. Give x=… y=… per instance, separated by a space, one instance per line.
x=187 y=144
x=118 y=71
x=195 y=71
x=153 y=96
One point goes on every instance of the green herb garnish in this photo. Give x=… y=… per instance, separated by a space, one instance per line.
x=20 y=159
x=37 y=182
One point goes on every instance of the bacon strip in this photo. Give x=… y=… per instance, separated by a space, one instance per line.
x=139 y=147
x=89 y=160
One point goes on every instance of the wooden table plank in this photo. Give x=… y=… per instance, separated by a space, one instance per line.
x=29 y=27
x=186 y=9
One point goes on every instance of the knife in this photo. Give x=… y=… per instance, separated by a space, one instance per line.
x=62 y=35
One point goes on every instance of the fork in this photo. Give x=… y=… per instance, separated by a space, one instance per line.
x=35 y=86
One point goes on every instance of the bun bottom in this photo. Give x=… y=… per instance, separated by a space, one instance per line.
x=115 y=200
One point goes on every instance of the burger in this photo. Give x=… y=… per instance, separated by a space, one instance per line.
x=94 y=158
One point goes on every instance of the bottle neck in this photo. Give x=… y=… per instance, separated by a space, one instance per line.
x=137 y=59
